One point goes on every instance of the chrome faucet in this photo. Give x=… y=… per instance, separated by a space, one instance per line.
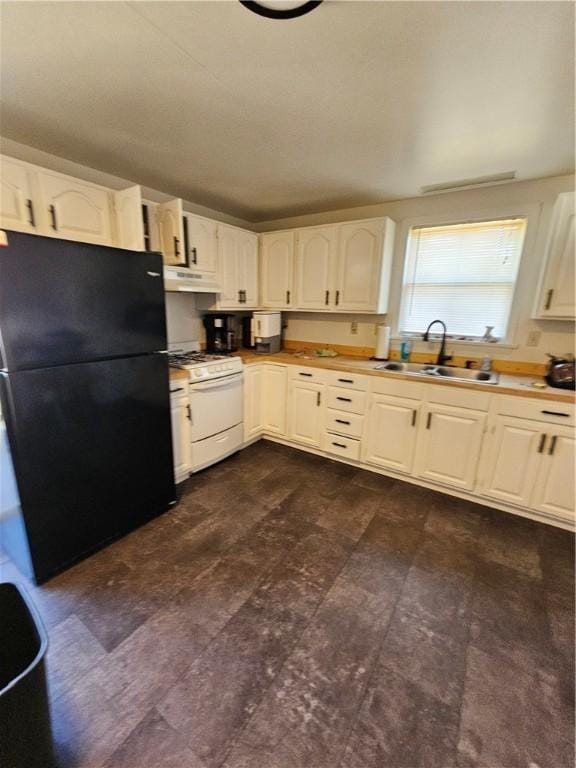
x=442 y=356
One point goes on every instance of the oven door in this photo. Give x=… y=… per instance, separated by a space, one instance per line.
x=215 y=406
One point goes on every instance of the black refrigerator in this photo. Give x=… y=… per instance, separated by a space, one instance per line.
x=85 y=396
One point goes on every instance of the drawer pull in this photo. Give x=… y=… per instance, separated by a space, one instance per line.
x=287 y=297
x=549 y=295
x=345 y=399
x=556 y=413
x=178 y=389
x=429 y=421
x=552 y=445
x=340 y=445
x=318 y=398
x=342 y=421
x=542 y=443
x=30 y=206
x=346 y=381
x=188 y=413
x=327 y=298
x=52 y=210
x=337 y=298
x=301 y=373
x=414 y=418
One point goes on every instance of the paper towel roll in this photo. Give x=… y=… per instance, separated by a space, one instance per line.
x=382 y=342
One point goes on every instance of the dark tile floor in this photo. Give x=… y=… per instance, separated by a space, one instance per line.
x=293 y=611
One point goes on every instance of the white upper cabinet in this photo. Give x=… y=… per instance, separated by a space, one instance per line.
x=129 y=219
x=76 y=210
x=277 y=270
x=315 y=267
x=17 y=208
x=365 y=252
x=171 y=235
x=201 y=242
x=557 y=294
x=237 y=268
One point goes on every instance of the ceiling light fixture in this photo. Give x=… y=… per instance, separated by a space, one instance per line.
x=281 y=10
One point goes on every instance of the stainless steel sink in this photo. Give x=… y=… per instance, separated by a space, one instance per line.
x=439 y=371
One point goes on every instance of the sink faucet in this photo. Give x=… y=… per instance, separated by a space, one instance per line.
x=442 y=356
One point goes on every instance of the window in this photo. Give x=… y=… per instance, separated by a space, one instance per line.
x=463 y=274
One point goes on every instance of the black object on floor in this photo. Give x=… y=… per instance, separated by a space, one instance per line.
x=25 y=733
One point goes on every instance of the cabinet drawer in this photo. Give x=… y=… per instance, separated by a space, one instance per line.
x=348 y=400
x=342 y=446
x=349 y=380
x=459 y=398
x=386 y=385
x=308 y=374
x=537 y=410
x=344 y=423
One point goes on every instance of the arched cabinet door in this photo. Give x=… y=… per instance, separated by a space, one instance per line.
x=315 y=260
x=359 y=265
x=75 y=210
x=277 y=265
x=17 y=209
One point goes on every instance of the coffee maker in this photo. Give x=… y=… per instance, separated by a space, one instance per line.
x=220 y=334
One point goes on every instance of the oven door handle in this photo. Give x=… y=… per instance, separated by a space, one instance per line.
x=217 y=384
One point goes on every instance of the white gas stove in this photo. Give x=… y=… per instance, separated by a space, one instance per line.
x=216 y=403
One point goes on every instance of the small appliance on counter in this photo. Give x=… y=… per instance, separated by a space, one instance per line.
x=561 y=372
x=266 y=333
x=220 y=334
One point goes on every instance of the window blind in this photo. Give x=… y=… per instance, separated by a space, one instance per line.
x=463 y=274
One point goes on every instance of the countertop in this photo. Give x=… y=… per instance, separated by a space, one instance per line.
x=508 y=384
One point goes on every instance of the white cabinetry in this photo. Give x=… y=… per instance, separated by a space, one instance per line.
x=201 y=242
x=169 y=217
x=76 y=210
x=554 y=487
x=391 y=433
x=129 y=219
x=253 y=375
x=315 y=267
x=274 y=396
x=449 y=443
x=557 y=291
x=237 y=268
x=17 y=209
x=277 y=270
x=306 y=412
x=180 y=418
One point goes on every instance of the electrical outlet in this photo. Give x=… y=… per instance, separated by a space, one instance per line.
x=533 y=339
x=354 y=327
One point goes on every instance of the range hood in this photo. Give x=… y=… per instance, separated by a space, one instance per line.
x=185 y=279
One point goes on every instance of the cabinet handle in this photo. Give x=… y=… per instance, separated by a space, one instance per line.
x=346 y=381
x=327 y=298
x=287 y=297
x=178 y=389
x=31 y=218
x=414 y=417
x=243 y=297
x=345 y=399
x=194 y=256
x=549 y=295
x=556 y=413
x=428 y=421
x=300 y=373
x=239 y=297
x=552 y=445
x=542 y=443
x=340 y=445
x=342 y=421
x=52 y=210
x=318 y=398
x=176 y=247
x=337 y=298
x=188 y=413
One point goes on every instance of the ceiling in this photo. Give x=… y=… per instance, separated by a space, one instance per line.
x=356 y=103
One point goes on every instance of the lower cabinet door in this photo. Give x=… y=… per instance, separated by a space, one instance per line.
x=180 y=416
x=274 y=390
x=449 y=445
x=253 y=376
x=554 y=486
x=305 y=421
x=510 y=460
x=391 y=434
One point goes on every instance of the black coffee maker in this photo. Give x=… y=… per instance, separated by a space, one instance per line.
x=220 y=334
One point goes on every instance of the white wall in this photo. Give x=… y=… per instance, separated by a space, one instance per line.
x=183 y=321
x=537 y=196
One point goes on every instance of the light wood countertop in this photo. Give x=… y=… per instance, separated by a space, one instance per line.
x=509 y=384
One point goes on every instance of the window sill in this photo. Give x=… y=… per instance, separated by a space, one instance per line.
x=451 y=342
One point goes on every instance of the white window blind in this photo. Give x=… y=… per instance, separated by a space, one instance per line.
x=463 y=274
